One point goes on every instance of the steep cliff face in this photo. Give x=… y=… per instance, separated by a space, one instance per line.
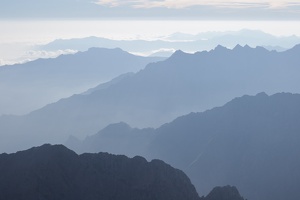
x=55 y=172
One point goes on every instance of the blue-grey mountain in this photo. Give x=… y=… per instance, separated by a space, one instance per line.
x=27 y=87
x=224 y=193
x=185 y=42
x=252 y=142
x=117 y=138
x=161 y=92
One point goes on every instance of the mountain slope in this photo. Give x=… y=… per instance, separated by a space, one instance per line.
x=26 y=87
x=161 y=92
x=117 y=138
x=224 y=193
x=251 y=142
x=55 y=172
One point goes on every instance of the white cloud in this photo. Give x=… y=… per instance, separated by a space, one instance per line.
x=163 y=50
x=47 y=54
x=158 y=51
x=6 y=62
x=33 y=55
x=178 y=4
x=115 y=3
x=2 y=62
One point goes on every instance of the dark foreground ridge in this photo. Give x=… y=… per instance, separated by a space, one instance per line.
x=55 y=172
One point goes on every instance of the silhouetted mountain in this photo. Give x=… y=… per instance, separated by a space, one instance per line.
x=252 y=142
x=55 y=172
x=29 y=86
x=161 y=92
x=185 y=42
x=224 y=193
x=117 y=138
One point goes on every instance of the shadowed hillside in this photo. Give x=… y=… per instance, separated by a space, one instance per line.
x=55 y=172
x=251 y=142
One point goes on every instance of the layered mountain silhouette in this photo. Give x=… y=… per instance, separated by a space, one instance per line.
x=55 y=172
x=251 y=142
x=29 y=86
x=117 y=138
x=185 y=42
x=161 y=92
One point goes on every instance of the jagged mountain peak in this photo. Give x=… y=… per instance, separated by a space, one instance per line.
x=178 y=53
x=224 y=193
x=116 y=127
x=220 y=48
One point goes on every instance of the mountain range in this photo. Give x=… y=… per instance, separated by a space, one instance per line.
x=32 y=85
x=251 y=142
x=165 y=45
x=159 y=93
x=162 y=46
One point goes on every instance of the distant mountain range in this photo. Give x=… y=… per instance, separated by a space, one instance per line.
x=55 y=172
x=166 y=45
x=161 y=46
x=161 y=92
x=27 y=87
x=252 y=142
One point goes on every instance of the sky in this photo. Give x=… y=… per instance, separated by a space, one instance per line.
x=25 y=23
x=152 y=9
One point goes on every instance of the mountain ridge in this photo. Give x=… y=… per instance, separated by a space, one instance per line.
x=29 y=86
x=250 y=142
x=163 y=91
x=55 y=172
x=186 y=42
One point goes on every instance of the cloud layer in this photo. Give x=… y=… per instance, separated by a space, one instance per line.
x=36 y=54
x=152 y=9
x=179 y=4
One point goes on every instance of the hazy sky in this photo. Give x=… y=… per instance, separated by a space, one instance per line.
x=152 y=9
x=25 y=23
